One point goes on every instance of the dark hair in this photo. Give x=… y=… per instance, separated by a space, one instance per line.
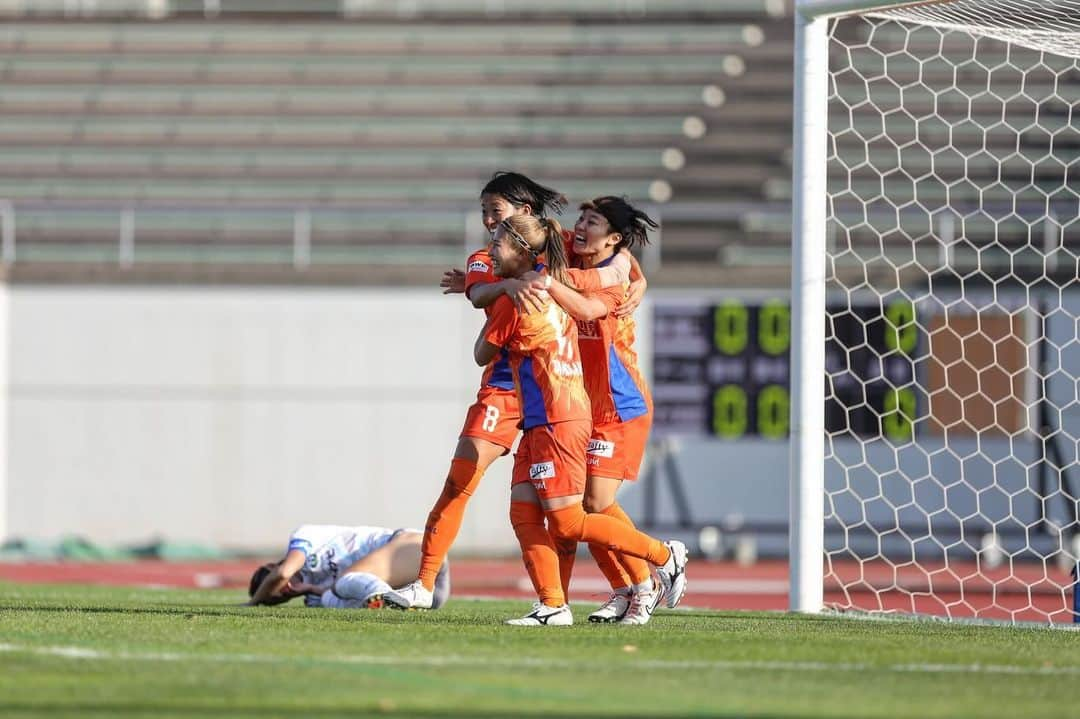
x=519 y=191
x=544 y=236
x=624 y=218
x=257 y=578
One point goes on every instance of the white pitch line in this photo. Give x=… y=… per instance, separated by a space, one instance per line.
x=456 y=660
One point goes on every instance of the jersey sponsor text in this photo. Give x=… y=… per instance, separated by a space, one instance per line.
x=541 y=471
x=601 y=448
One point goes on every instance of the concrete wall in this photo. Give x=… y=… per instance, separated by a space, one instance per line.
x=4 y=454
x=228 y=416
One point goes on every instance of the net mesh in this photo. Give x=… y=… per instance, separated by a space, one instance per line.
x=952 y=393
x=1040 y=25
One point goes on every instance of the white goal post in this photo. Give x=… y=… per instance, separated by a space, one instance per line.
x=935 y=413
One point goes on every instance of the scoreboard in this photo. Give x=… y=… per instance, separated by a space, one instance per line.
x=724 y=369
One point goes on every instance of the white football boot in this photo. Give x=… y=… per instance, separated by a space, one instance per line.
x=612 y=610
x=545 y=616
x=642 y=606
x=412 y=596
x=673 y=573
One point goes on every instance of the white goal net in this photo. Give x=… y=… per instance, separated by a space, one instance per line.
x=952 y=244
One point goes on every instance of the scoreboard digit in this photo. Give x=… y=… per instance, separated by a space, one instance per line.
x=730 y=332
x=729 y=412
x=773 y=411
x=774 y=328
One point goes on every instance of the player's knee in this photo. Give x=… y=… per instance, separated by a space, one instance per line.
x=467 y=449
x=567 y=524
x=523 y=513
x=595 y=503
x=359 y=585
x=566 y=546
x=462 y=480
x=599 y=494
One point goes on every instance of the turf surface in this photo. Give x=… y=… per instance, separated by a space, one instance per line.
x=105 y=651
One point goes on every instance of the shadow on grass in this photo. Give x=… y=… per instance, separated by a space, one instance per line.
x=202 y=610
x=374 y=709
x=296 y=610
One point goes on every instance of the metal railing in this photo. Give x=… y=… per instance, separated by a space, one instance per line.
x=297 y=223
x=300 y=225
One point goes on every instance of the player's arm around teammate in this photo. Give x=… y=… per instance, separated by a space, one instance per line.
x=550 y=469
x=491 y=423
x=526 y=292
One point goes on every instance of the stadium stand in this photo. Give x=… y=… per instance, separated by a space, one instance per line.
x=156 y=138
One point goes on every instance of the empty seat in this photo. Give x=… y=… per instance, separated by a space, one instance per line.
x=239 y=123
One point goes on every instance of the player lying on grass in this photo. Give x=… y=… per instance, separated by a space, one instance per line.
x=550 y=468
x=344 y=568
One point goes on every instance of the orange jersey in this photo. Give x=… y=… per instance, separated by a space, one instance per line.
x=613 y=380
x=479 y=270
x=544 y=360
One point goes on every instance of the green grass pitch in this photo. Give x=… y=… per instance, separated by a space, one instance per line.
x=118 y=652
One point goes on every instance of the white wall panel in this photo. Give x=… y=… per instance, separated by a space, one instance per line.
x=228 y=416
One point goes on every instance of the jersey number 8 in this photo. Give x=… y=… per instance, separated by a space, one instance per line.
x=491 y=418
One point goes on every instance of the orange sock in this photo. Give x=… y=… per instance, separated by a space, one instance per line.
x=572 y=523
x=567 y=554
x=637 y=569
x=538 y=552
x=444 y=521
x=610 y=566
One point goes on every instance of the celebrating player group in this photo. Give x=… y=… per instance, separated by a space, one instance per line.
x=560 y=368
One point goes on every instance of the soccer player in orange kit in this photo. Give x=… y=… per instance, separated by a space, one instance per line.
x=491 y=423
x=550 y=466
x=621 y=402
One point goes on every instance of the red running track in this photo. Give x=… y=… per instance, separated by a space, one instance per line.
x=1023 y=593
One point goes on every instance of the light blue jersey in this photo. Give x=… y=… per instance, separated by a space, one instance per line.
x=330 y=549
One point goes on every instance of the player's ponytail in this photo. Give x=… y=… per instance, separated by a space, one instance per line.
x=555 y=250
x=630 y=222
x=521 y=191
